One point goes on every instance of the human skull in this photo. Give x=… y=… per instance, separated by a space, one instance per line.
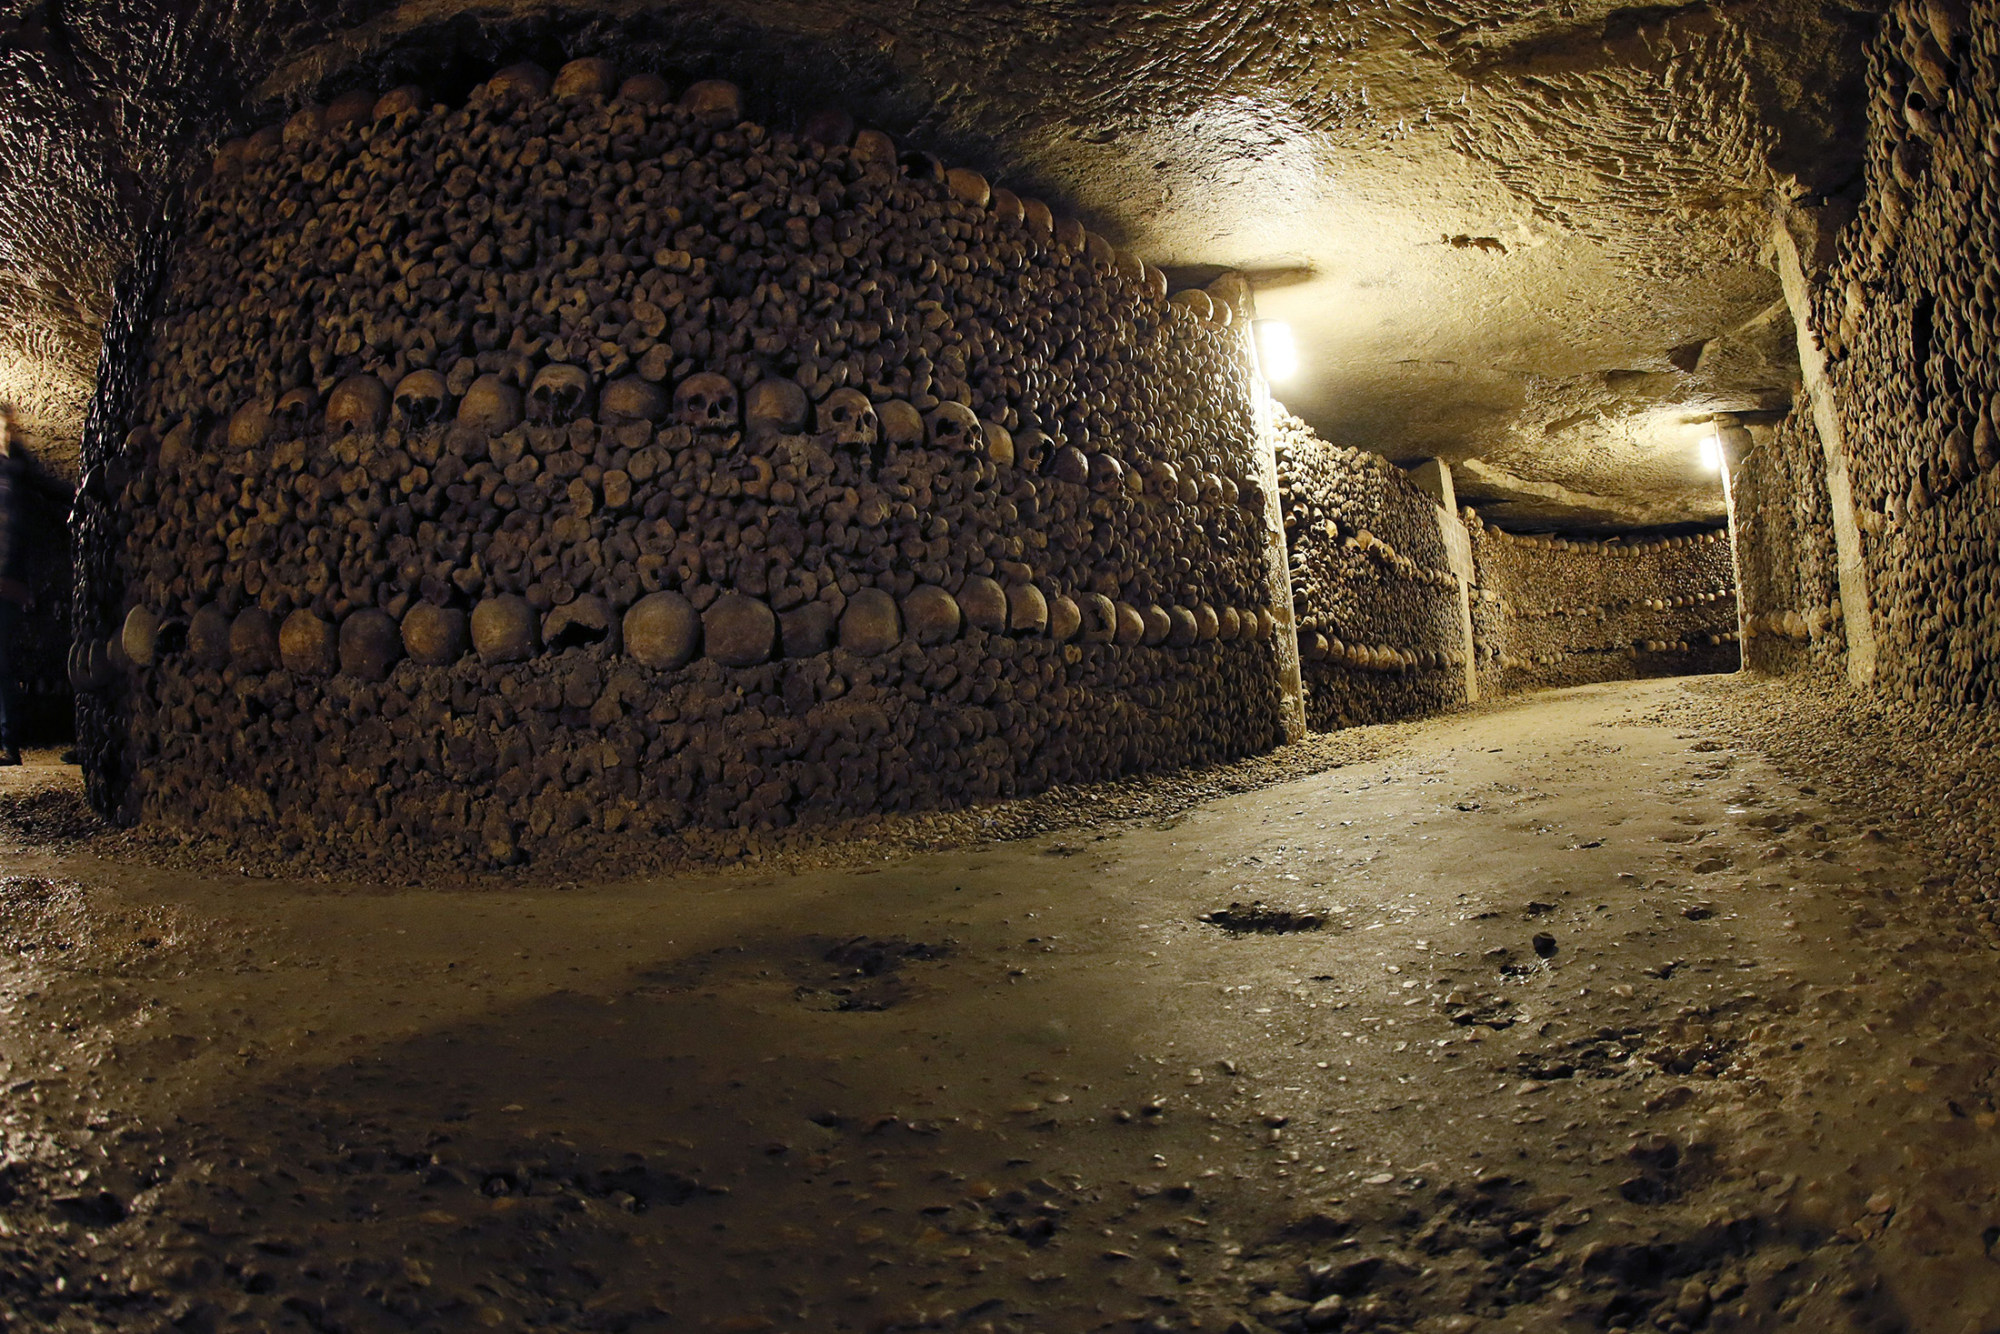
x=435 y=636
x=306 y=645
x=304 y=127
x=490 y=405
x=831 y=127
x=523 y=83
x=713 y=102
x=399 y=101
x=899 y=422
x=775 y=406
x=355 y=107
x=591 y=76
x=208 y=636
x=1072 y=465
x=849 y=417
x=633 y=399
x=706 y=401
x=253 y=640
x=505 y=629
x=999 y=443
x=646 y=90
x=140 y=634
x=421 y=397
x=251 y=425
x=357 y=403
x=557 y=393
x=293 y=411
x=953 y=426
x=1107 y=475
x=662 y=630
x=370 y=644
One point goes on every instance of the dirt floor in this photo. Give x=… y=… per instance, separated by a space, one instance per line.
x=1570 y=1013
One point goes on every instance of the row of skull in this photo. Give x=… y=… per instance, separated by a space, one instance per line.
x=663 y=630
x=706 y=403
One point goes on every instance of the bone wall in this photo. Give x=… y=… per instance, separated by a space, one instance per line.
x=1550 y=612
x=584 y=460
x=1908 y=315
x=1789 y=587
x=1375 y=600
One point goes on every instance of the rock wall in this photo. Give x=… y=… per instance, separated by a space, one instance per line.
x=1381 y=634
x=1908 y=315
x=1551 y=612
x=584 y=460
x=1789 y=586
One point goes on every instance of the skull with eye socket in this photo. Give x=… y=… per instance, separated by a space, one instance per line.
x=293 y=413
x=953 y=426
x=707 y=402
x=557 y=394
x=421 y=399
x=849 y=417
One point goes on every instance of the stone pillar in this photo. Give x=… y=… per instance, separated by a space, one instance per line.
x=1434 y=476
x=1732 y=441
x=1278 y=558
x=1856 y=607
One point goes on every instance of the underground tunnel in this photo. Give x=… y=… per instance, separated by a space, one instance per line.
x=1196 y=669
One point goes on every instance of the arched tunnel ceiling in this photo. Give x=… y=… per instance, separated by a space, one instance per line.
x=1525 y=238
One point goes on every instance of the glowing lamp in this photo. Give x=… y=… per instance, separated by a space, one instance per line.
x=1275 y=351
x=1711 y=453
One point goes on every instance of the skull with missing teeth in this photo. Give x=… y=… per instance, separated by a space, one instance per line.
x=557 y=394
x=420 y=399
x=953 y=426
x=850 y=418
x=706 y=401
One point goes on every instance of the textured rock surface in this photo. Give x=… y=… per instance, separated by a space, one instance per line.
x=1435 y=195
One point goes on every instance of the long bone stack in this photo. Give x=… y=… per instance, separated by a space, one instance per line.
x=1551 y=611
x=587 y=459
x=1908 y=313
x=1377 y=606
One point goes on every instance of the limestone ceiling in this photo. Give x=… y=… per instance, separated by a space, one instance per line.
x=1523 y=237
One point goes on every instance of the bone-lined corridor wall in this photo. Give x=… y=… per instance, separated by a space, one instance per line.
x=488 y=481
x=582 y=459
x=1550 y=612
x=1375 y=600
x=1908 y=313
x=1788 y=566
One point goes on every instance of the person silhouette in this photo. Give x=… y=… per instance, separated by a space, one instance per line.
x=13 y=590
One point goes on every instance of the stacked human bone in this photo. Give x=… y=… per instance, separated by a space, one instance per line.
x=585 y=459
x=1376 y=603
x=1789 y=586
x=1550 y=611
x=1909 y=314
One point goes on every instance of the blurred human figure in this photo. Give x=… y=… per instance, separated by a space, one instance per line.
x=13 y=590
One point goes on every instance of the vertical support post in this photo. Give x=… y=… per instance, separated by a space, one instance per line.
x=1732 y=443
x=1434 y=477
x=1856 y=607
x=1277 y=556
x=1278 y=570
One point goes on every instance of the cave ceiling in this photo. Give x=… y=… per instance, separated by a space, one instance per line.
x=1525 y=238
